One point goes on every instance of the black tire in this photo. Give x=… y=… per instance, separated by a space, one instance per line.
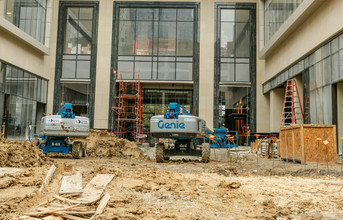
x=159 y=152
x=84 y=149
x=76 y=150
x=205 y=152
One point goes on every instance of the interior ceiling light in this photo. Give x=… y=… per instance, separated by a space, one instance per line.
x=9 y=13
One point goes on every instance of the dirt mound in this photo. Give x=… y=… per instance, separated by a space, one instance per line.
x=21 y=154
x=105 y=144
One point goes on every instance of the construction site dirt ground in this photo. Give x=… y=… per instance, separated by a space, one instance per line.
x=245 y=188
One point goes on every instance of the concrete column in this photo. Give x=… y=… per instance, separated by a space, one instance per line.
x=103 y=65
x=206 y=67
x=2 y=8
x=300 y=86
x=276 y=105
x=50 y=63
x=340 y=115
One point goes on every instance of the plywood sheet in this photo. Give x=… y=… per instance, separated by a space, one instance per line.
x=71 y=184
x=294 y=144
x=95 y=188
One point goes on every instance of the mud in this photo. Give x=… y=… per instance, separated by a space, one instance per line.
x=21 y=154
x=105 y=144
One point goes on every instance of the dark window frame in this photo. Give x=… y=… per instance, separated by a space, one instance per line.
x=59 y=54
x=252 y=66
x=114 y=56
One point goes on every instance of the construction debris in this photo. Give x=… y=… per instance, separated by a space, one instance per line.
x=71 y=184
x=83 y=206
x=21 y=154
x=48 y=178
x=105 y=144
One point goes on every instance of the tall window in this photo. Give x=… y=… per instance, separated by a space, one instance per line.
x=77 y=43
x=157 y=42
x=235 y=68
x=235 y=37
x=29 y=16
x=76 y=57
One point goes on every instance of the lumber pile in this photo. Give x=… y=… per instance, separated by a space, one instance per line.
x=266 y=147
x=75 y=203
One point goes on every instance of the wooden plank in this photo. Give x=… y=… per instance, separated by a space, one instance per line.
x=24 y=217
x=95 y=188
x=102 y=204
x=52 y=217
x=74 y=201
x=71 y=184
x=71 y=217
x=48 y=178
x=51 y=211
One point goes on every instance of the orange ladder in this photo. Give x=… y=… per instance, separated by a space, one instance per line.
x=292 y=112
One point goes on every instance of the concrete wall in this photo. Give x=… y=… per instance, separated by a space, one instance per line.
x=276 y=105
x=18 y=53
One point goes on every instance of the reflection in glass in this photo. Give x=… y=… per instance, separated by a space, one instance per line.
x=78 y=38
x=152 y=38
x=144 y=68
x=185 y=39
x=68 y=69
x=167 y=14
x=29 y=16
x=126 y=37
x=185 y=14
x=242 y=40
x=167 y=33
x=83 y=69
x=166 y=71
x=184 y=71
x=242 y=72
x=276 y=12
x=145 y=14
x=143 y=42
x=227 y=43
x=227 y=72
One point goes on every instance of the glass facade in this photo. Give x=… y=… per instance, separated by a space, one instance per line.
x=20 y=94
x=77 y=42
x=76 y=57
x=276 y=12
x=157 y=42
x=235 y=68
x=28 y=15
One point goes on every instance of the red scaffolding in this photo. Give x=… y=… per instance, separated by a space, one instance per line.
x=128 y=121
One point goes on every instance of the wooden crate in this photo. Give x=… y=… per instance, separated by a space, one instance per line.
x=293 y=144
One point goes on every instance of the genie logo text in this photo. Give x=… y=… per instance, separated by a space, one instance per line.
x=172 y=125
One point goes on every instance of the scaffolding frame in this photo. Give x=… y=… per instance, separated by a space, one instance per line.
x=128 y=108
